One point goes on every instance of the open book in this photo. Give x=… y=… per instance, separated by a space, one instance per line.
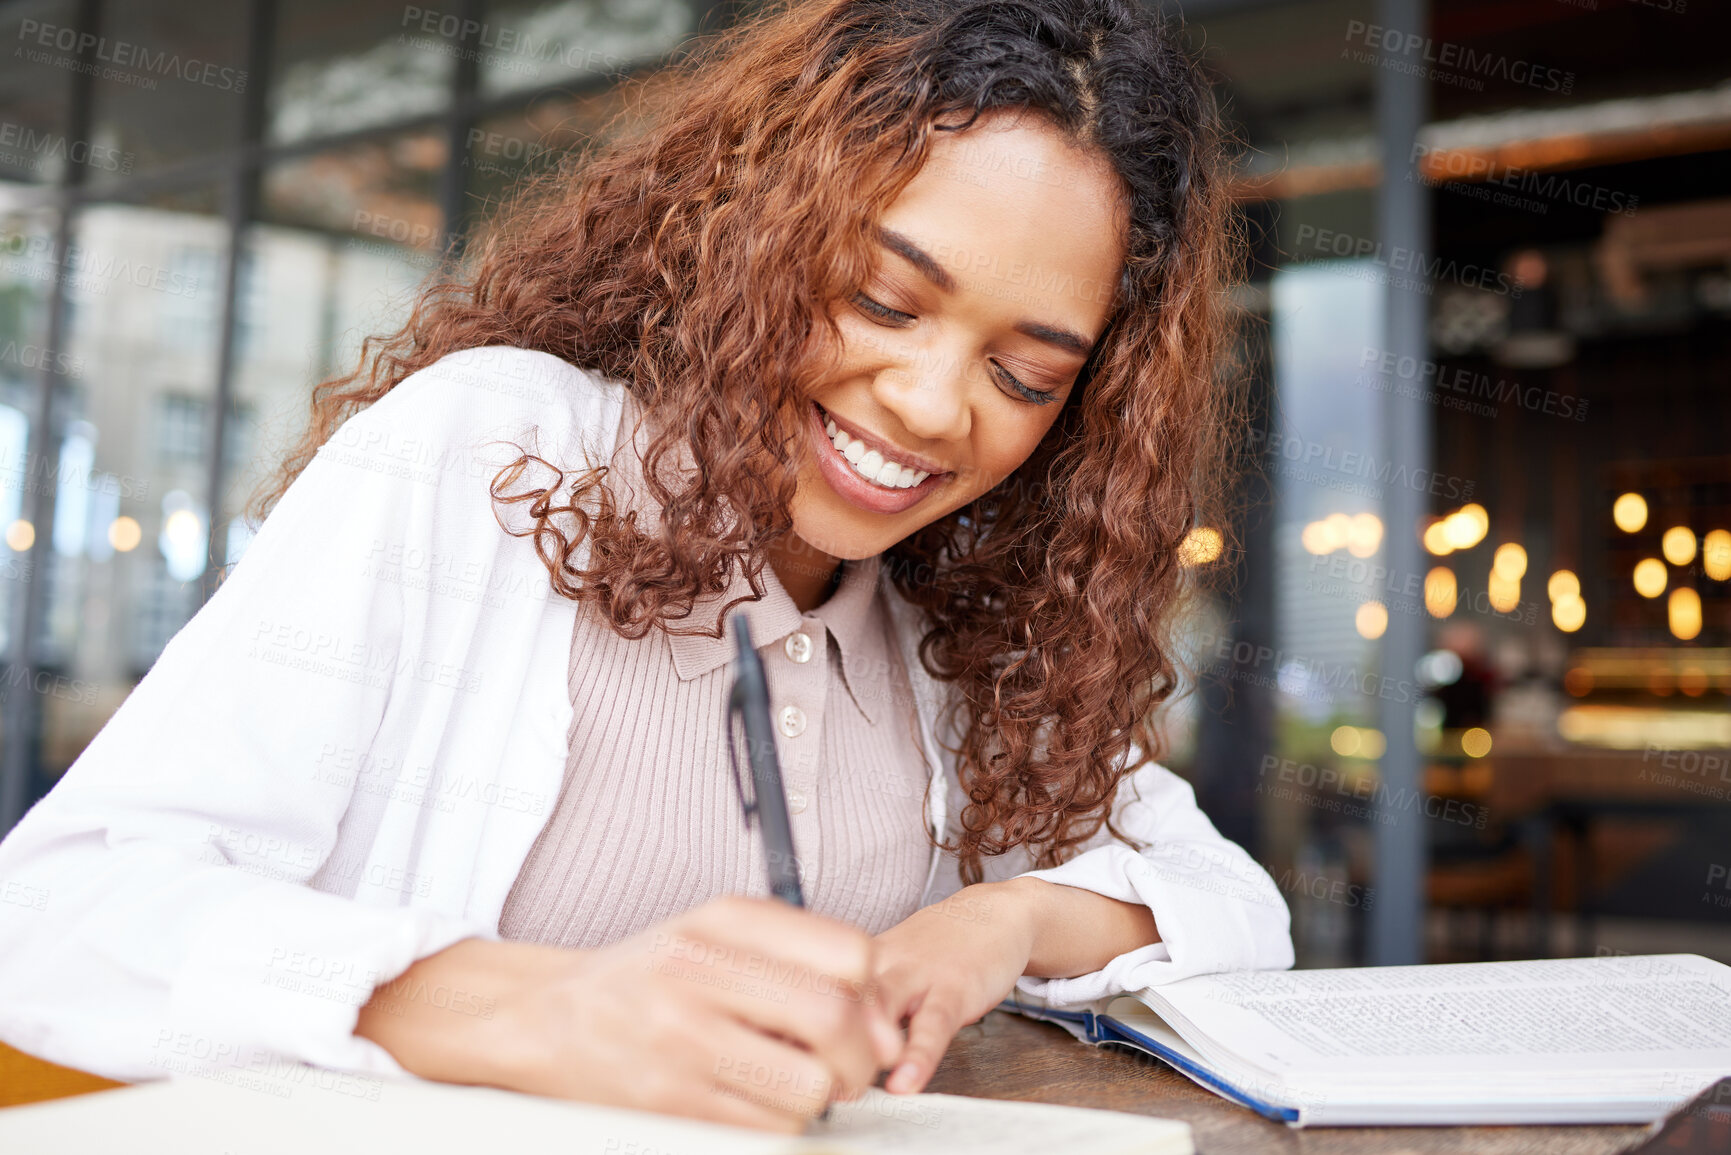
x=292 y=1109
x=1588 y=1040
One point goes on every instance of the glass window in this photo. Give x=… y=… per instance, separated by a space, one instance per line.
x=180 y=427
x=505 y=150
x=35 y=86
x=131 y=505
x=27 y=268
x=530 y=45
x=346 y=238
x=383 y=190
x=170 y=82
x=343 y=65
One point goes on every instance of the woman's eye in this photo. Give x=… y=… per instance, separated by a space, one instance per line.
x=881 y=311
x=1034 y=396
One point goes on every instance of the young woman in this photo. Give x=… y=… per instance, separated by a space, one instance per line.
x=896 y=330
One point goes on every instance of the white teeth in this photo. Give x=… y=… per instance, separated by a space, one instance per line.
x=871 y=464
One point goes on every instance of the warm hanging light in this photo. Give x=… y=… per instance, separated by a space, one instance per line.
x=1330 y=533
x=1650 y=577
x=1439 y=591
x=1510 y=560
x=1569 y=614
x=1436 y=538
x=124 y=533
x=1200 y=546
x=1371 y=620
x=1716 y=555
x=1563 y=584
x=1684 y=611
x=1505 y=592
x=1630 y=512
x=1467 y=526
x=1678 y=545
x=1364 y=535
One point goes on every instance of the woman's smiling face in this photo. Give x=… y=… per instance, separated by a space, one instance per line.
x=998 y=266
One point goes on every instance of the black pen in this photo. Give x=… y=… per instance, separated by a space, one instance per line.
x=750 y=701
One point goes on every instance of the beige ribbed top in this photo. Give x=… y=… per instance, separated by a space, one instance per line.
x=648 y=821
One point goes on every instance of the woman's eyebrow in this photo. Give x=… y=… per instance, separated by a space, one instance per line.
x=918 y=258
x=1066 y=339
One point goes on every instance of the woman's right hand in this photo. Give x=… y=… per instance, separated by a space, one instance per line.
x=744 y=1011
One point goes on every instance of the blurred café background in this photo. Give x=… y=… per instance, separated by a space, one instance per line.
x=1465 y=688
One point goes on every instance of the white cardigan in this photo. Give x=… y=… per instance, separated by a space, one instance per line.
x=338 y=766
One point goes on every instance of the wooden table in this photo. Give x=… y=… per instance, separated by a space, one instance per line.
x=1005 y=1056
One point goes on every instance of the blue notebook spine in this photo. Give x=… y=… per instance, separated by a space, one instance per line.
x=1111 y=1030
x=1086 y=1019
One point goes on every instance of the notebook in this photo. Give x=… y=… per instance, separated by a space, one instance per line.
x=1590 y=1040
x=293 y=1109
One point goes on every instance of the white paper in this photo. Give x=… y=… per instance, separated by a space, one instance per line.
x=297 y=1109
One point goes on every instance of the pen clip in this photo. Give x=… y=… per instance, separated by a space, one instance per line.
x=736 y=710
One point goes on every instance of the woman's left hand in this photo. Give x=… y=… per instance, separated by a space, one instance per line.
x=947 y=965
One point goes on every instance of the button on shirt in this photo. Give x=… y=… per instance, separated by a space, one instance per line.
x=648 y=823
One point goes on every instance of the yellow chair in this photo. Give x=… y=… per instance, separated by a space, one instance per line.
x=27 y=1079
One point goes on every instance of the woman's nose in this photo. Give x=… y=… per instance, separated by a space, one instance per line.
x=929 y=392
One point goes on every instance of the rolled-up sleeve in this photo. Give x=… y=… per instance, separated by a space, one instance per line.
x=1215 y=907
x=161 y=918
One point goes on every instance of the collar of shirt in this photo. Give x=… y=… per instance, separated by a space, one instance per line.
x=851 y=613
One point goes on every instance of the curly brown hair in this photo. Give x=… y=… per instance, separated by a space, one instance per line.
x=693 y=260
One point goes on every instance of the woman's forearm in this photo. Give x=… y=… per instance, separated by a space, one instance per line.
x=1074 y=931
x=439 y=1018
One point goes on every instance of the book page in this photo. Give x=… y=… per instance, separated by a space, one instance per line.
x=1543 y=1019
x=955 y=1125
x=294 y=1109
